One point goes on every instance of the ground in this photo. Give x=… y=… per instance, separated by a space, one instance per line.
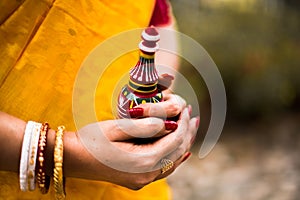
x=255 y=162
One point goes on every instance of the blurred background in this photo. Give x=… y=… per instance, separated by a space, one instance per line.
x=256 y=46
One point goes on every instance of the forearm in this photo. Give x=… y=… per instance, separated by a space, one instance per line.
x=77 y=161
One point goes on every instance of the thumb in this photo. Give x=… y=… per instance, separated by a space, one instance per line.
x=126 y=129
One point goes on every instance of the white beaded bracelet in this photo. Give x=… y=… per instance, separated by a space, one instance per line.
x=24 y=156
x=33 y=154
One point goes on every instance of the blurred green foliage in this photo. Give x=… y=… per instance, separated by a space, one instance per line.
x=257 y=51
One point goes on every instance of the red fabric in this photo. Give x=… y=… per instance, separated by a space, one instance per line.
x=160 y=14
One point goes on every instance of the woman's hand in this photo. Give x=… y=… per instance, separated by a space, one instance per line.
x=129 y=152
x=118 y=156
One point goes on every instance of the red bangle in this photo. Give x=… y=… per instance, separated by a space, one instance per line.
x=43 y=180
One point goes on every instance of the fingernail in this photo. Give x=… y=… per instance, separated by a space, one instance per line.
x=190 y=110
x=136 y=112
x=197 y=122
x=170 y=125
x=186 y=156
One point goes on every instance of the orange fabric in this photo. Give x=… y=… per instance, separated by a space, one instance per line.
x=42 y=45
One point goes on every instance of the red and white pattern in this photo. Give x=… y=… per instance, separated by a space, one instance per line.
x=144 y=72
x=150 y=38
x=142 y=86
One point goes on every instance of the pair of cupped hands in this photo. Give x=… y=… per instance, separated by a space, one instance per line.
x=132 y=149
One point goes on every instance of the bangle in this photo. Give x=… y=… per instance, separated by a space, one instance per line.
x=33 y=154
x=24 y=156
x=43 y=180
x=58 y=163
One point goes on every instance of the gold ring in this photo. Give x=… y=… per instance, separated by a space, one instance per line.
x=166 y=164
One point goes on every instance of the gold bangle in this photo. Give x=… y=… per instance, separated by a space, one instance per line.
x=58 y=180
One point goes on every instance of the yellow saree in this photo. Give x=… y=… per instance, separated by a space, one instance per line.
x=42 y=45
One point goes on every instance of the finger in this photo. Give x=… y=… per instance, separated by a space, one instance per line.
x=175 y=166
x=165 y=81
x=192 y=132
x=188 y=137
x=126 y=129
x=194 y=124
x=171 y=106
x=171 y=142
x=182 y=152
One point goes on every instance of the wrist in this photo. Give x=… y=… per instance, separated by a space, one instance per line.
x=49 y=163
x=77 y=161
